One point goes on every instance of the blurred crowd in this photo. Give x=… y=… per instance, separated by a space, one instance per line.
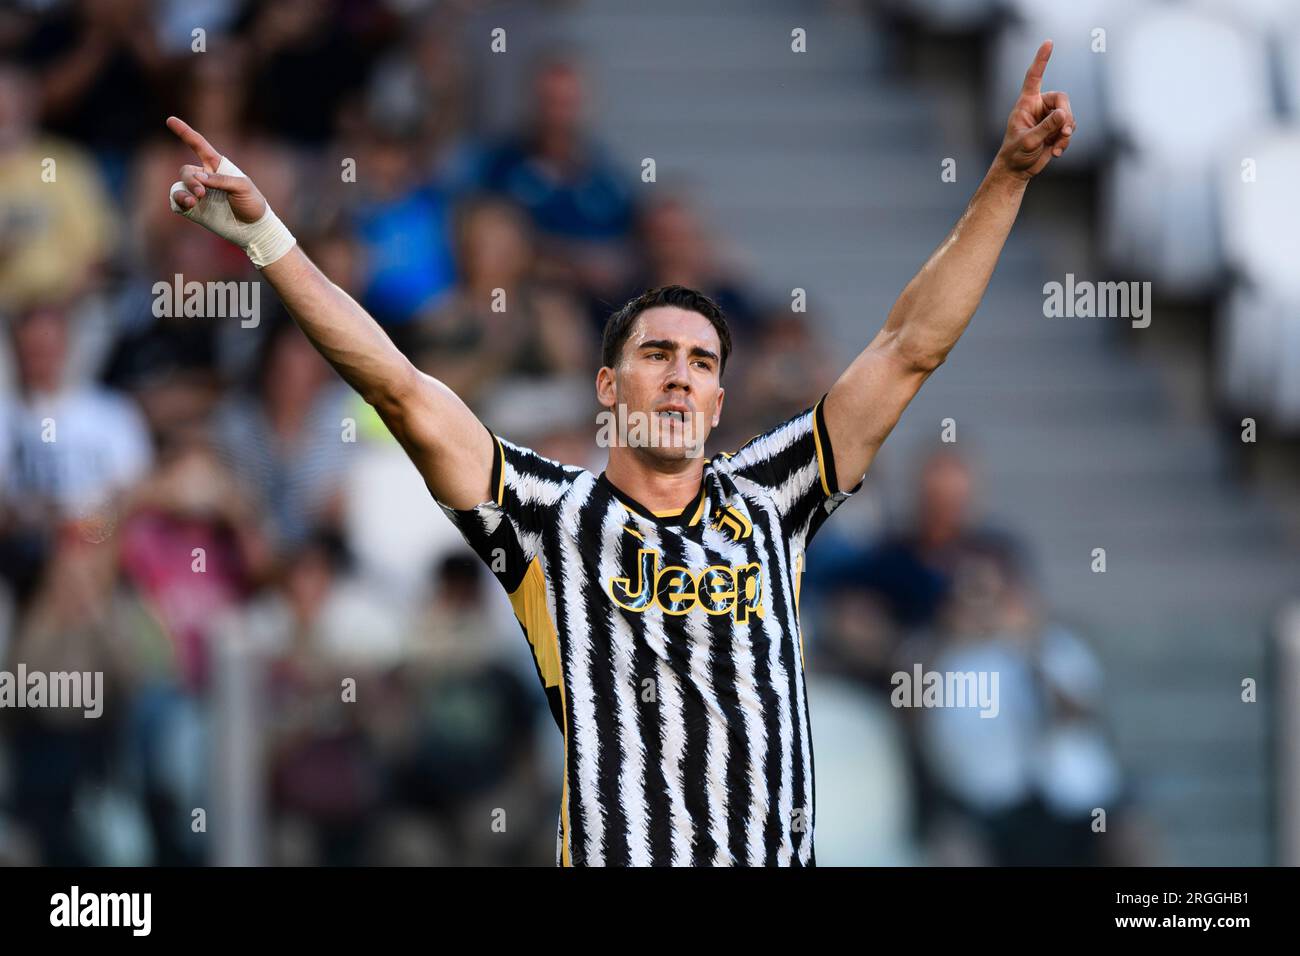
x=942 y=592
x=181 y=495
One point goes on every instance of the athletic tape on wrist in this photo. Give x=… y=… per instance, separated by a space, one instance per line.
x=264 y=241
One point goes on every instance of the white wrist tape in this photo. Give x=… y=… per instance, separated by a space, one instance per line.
x=264 y=241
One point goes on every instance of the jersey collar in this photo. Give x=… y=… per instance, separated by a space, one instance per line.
x=688 y=516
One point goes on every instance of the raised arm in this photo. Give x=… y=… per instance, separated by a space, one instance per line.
x=932 y=312
x=447 y=443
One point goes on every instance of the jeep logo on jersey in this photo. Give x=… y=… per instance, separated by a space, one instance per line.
x=718 y=589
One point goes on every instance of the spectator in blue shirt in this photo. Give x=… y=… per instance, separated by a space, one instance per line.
x=571 y=188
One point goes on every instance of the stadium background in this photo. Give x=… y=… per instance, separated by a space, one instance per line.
x=522 y=170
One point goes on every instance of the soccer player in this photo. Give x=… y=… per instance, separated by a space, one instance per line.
x=660 y=597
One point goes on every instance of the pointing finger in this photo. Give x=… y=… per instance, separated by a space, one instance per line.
x=1034 y=76
x=210 y=158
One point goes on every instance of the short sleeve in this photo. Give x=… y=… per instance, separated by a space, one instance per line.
x=506 y=530
x=795 y=464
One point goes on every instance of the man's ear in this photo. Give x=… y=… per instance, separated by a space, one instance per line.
x=717 y=409
x=606 y=387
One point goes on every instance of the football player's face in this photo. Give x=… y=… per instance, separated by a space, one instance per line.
x=669 y=376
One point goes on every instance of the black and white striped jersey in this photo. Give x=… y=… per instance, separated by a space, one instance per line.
x=669 y=647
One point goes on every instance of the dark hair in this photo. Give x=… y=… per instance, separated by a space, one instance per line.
x=457 y=576
x=327 y=543
x=619 y=326
x=459 y=569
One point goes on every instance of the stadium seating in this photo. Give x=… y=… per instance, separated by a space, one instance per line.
x=1261 y=317
x=1181 y=85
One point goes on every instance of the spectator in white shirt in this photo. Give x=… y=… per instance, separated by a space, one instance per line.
x=67 y=449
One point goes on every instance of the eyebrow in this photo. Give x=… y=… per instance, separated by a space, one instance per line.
x=669 y=346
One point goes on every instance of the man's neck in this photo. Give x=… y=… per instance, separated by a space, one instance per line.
x=658 y=485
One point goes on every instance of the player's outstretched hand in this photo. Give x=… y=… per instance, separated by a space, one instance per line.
x=1041 y=124
x=218 y=196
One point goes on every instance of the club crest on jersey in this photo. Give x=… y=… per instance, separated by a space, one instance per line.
x=734 y=521
x=718 y=589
